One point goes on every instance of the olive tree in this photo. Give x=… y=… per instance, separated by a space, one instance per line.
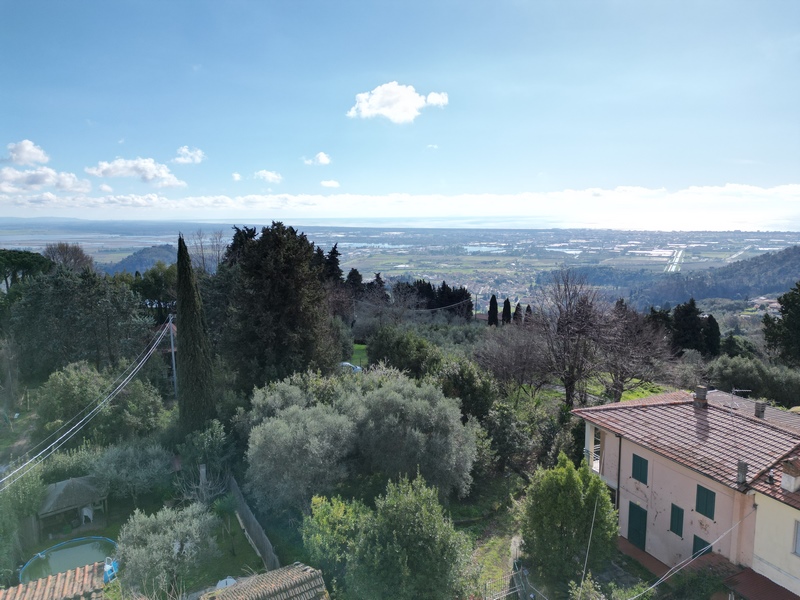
x=296 y=454
x=157 y=551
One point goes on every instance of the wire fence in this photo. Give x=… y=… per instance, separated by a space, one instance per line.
x=252 y=528
x=502 y=587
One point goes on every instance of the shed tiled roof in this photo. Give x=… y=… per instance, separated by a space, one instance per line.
x=83 y=583
x=774 y=490
x=293 y=582
x=752 y=586
x=708 y=440
x=71 y=493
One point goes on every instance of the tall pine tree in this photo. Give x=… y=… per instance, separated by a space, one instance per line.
x=195 y=384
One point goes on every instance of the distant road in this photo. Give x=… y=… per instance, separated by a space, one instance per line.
x=733 y=257
x=675 y=262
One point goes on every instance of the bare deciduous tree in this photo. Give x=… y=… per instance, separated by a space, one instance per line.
x=515 y=356
x=634 y=351
x=207 y=250
x=71 y=256
x=566 y=319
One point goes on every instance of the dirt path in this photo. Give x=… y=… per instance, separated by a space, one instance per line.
x=19 y=447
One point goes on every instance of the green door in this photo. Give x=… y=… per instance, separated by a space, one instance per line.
x=700 y=546
x=637 y=525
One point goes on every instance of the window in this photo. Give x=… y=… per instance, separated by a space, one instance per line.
x=676 y=520
x=700 y=547
x=705 y=502
x=639 y=469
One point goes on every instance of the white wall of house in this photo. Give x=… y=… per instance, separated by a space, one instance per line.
x=669 y=483
x=773 y=550
x=609 y=453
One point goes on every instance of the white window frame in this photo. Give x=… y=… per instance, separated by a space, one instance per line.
x=796 y=549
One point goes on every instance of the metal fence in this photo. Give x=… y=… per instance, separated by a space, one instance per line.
x=503 y=587
x=253 y=530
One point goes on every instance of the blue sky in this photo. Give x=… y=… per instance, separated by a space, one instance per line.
x=654 y=114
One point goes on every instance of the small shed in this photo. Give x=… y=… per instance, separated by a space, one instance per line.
x=74 y=499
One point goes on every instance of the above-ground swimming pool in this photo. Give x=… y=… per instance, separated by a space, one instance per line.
x=66 y=556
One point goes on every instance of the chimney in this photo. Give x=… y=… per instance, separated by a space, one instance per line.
x=700 y=397
x=760 y=408
x=790 y=480
x=741 y=473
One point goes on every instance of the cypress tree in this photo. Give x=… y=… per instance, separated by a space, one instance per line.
x=493 y=311
x=506 y=312
x=517 y=314
x=195 y=385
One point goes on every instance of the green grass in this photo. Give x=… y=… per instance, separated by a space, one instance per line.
x=648 y=389
x=13 y=431
x=359 y=357
x=286 y=539
x=490 y=498
x=236 y=558
x=493 y=546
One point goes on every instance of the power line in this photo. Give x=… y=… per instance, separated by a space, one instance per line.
x=416 y=309
x=94 y=402
x=687 y=561
x=31 y=463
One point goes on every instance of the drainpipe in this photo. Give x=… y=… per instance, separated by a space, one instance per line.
x=619 y=469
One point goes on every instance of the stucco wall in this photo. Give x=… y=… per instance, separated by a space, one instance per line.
x=670 y=483
x=774 y=542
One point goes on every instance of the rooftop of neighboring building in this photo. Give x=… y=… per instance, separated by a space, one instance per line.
x=293 y=582
x=709 y=439
x=83 y=583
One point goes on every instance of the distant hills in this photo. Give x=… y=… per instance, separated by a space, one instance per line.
x=773 y=273
x=143 y=259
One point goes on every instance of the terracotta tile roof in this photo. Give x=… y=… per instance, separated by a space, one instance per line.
x=83 y=583
x=293 y=582
x=784 y=419
x=707 y=440
x=774 y=490
x=752 y=586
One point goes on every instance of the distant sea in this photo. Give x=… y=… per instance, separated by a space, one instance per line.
x=35 y=233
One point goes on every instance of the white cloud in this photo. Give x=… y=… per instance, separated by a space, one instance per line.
x=329 y=183
x=320 y=158
x=270 y=176
x=15 y=181
x=27 y=153
x=437 y=99
x=104 y=187
x=189 y=157
x=398 y=103
x=236 y=176
x=146 y=169
x=433 y=146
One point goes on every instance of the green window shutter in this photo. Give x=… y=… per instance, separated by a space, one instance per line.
x=639 y=469
x=699 y=547
x=705 y=502
x=676 y=520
